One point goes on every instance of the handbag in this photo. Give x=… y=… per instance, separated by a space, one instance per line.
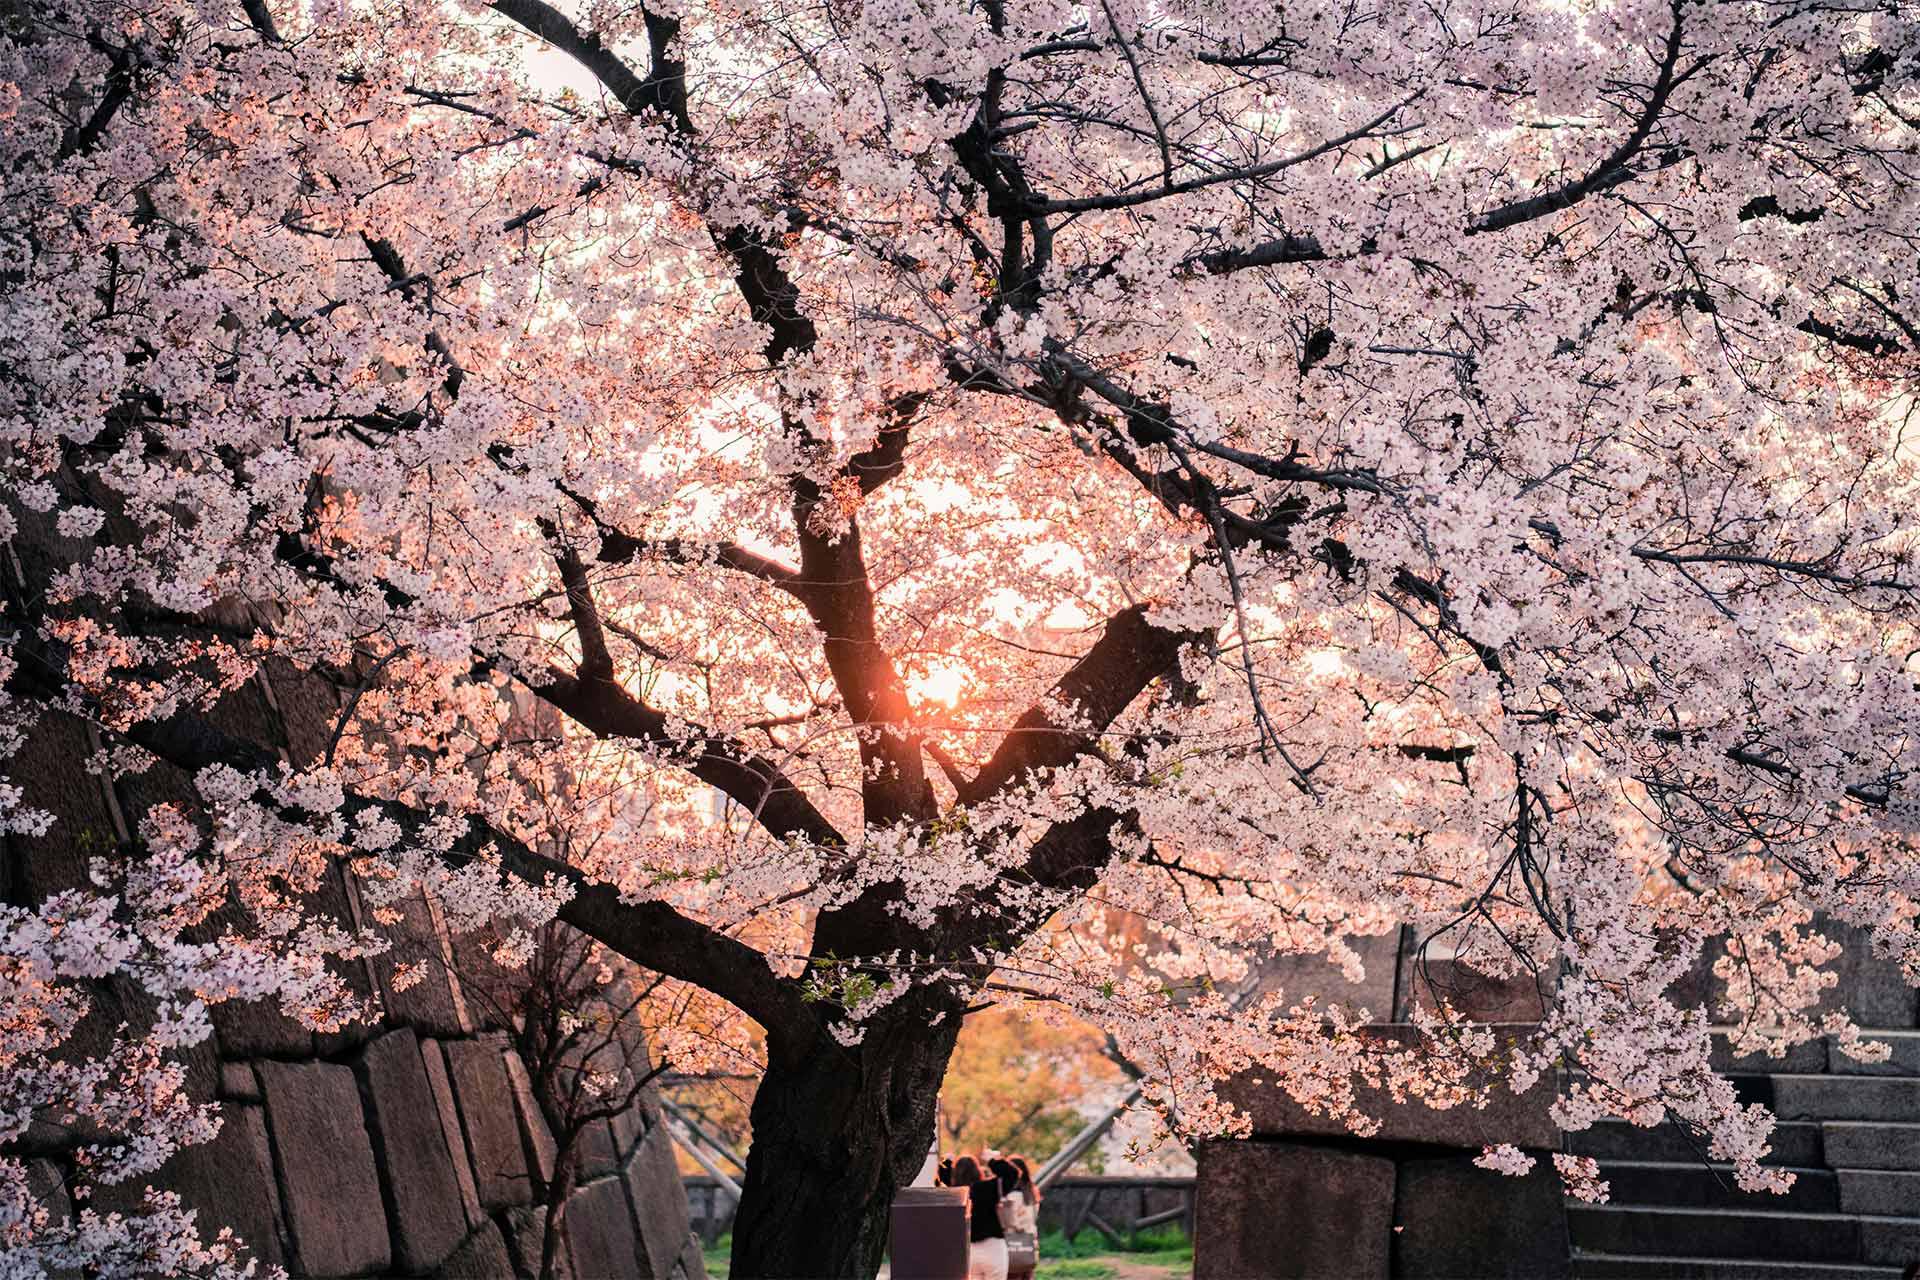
x=1023 y=1242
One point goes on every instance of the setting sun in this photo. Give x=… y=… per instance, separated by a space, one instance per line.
x=942 y=683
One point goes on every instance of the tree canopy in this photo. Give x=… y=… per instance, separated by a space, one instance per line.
x=1276 y=472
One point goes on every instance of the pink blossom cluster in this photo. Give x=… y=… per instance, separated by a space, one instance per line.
x=873 y=510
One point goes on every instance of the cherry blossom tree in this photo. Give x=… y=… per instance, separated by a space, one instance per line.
x=1275 y=471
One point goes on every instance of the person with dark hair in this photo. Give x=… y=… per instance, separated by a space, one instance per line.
x=943 y=1176
x=987 y=1254
x=1026 y=1186
x=1019 y=1215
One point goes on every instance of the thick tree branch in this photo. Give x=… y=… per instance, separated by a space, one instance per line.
x=839 y=598
x=117 y=90
x=833 y=582
x=652 y=934
x=607 y=708
x=1613 y=170
x=875 y=466
x=1130 y=653
x=617 y=547
x=662 y=90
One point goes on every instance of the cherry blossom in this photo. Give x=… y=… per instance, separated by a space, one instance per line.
x=871 y=510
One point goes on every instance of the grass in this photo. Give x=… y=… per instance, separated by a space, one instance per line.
x=1088 y=1256
x=1074 y=1269
x=1153 y=1248
x=719 y=1256
x=1091 y=1256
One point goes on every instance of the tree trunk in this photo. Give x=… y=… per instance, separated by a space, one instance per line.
x=566 y=1170
x=835 y=1131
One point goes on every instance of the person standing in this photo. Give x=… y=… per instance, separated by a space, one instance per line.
x=987 y=1253
x=1019 y=1217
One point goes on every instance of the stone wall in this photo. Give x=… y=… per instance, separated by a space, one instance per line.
x=411 y=1146
x=410 y=1155
x=1305 y=1198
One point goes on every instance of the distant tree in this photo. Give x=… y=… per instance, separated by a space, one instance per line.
x=1461 y=450
x=1020 y=1084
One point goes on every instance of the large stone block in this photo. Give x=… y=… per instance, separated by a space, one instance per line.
x=111 y=1002
x=307 y=707
x=427 y=1219
x=596 y=1151
x=481 y=1256
x=1694 y=1185
x=526 y=1231
x=1870 y=989
x=1279 y=1209
x=491 y=990
x=628 y=1128
x=427 y=1004
x=47 y=1182
x=162 y=783
x=659 y=1201
x=227 y=1181
x=1520 y=1119
x=434 y=1062
x=600 y=1229
x=1796 y=1143
x=49 y=771
x=257 y=1028
x=237 y=1082
x=1890 y=1241
x=339 y=897
x=1479 y=997
x=1453 y=1219
x=1809 y=1056
x=1312 y=975
x=487 y=1115
x=230 y=1180
x=332 y=1191
x=1698 y=987
x=534 y=1130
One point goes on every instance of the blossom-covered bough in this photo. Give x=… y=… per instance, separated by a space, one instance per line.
x=1271 y=471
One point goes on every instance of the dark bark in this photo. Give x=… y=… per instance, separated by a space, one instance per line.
x=835 y=1131
x=559 y=1190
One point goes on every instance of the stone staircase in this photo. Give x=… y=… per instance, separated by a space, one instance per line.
x=1850 y=1131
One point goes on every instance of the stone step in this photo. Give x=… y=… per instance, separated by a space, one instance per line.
x=1797 y=1144
x=1809 y=1057
x=1824 y=1057
x=1888 y=1192
x=1865 y=1144
x=1903 y=1061
x=1613 y=1266
x=1828 y=1097
x=1649 y=1231
x=1694 y=1185
x=1751 y=1084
